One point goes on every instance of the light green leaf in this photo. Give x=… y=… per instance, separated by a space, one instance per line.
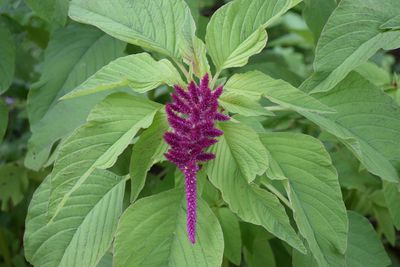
x=314 y=192
x=157 y=25
x=73 y=55
x=106 y=261
x=82 y=231
x=351 y=36
x=237 y=30
x=391 y=193
x=152 y=232
x=392 y=24
x=232 y=238
x=53 y=11
x=251 y=203
x=147 y=151
x=256 y=84
x=317 y=20
x=3 y=119
x=110 y=128
x=375 y=74
x=243 y=105
x=7 y=58
x=364 y=247
x=140 y=71
x=367 y=122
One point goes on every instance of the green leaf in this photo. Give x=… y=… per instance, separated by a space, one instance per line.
x=147 y=151
x=260 y=254
x=7 y=58
x=243 y=105
x=82 y=231
x=73 y=55
x=232 y=238
x=13 y=185
x=110 y=128
x=367 y=122
x=140 y=71
x=351 y=36
x=228 y=173
x=53 y=11
x=3 y=119
x=391 y=193
x=152 y=232
x=317 y=20
x=375 y=74
x=364 y=248
x=237 y=30
x=106 y=261
x=314 y=192
x=157 y=25
x=256 y=84
x=392 y=24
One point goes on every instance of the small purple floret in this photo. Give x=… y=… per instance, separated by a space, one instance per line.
x=192 y=115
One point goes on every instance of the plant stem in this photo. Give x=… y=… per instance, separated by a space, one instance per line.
x=277 y=108
x=183 y=69
x=279 y=195
x=215 y=78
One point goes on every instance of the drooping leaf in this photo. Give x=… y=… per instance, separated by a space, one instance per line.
x=231 y=230
x=317 y=20
x=73 y=55
x=364 y=248
x=53 y=11
x=139 y=71
x=242 y=105
x=148 y=150
x=251 y=203
x=237 y=30
x=82 y=231
x=314 y=192
x=3 y=119
x=256 y=84
x=367 y=121
x=110 y=128
x=351 y=36
x=7 y=58
x=152 y=232
x=391 y=193
x=13 y=185
x=158 y=25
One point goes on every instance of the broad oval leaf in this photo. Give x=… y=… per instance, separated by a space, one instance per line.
x=257 y=84
x=139 y=71
x=314 y=192
x=237 y=30
x=110 y=128
x=158 y=25
x=82 y=231
x=74 y=54
x=351 y=36
x=364 y=249
x=367 y=122
x=250 y=202
x=7 y=58
x=152 y=232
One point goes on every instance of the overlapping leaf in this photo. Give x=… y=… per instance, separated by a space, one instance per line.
x=158 y=25
x=3 y=119
x=152 y=232
x=256 y=84
x=237 y=30
x=355 y=31
x=139 y=71
x=50 y=10
x=82 y=231
x=367 y=122
x=73 y=55
x=97 y=144
x=314 y=192
x=237 y=152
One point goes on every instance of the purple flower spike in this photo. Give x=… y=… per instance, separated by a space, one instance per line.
x=192 y=116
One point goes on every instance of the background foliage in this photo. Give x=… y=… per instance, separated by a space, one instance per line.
x=306 y=174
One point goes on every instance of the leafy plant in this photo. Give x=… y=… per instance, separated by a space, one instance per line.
x=200 y=133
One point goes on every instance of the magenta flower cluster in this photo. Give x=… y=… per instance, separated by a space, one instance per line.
x=192 y=115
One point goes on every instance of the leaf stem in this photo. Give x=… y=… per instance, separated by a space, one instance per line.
x=215 y=78
x=276 y=108
x=183 y=69
x=275 y=191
